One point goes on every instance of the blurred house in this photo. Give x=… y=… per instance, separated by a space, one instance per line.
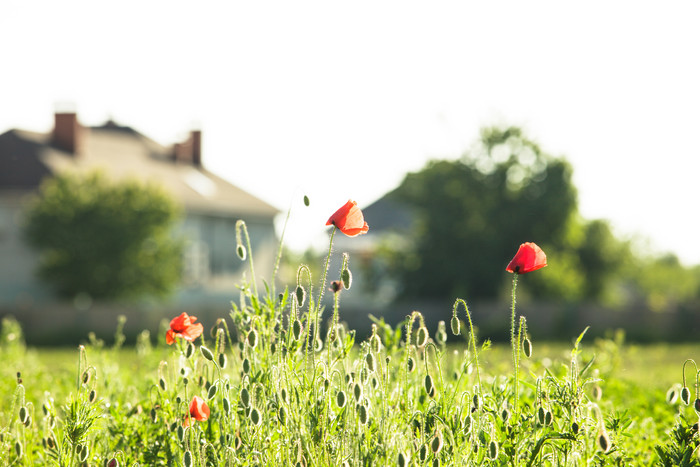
x=211 y=204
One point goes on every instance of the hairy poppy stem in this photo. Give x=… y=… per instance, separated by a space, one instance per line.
x=515 y=345
x=323 y=288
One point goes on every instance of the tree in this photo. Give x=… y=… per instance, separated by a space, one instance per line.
x=472 y=214
x=106 y=240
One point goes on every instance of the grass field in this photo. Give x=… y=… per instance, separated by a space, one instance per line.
x=98 y=404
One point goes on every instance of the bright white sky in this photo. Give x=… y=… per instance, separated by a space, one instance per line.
x=340 y=100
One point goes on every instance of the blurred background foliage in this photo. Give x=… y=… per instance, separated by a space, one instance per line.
x=505 y=191
x=105 y=240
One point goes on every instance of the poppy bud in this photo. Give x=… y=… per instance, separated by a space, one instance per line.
x=411 y=364
x=113 y=462
x=505 y=414
x=357 y=392
x=282 y=415
x=541 y=415
x=403 y=460
x=429 y=386
x=227 y=405
x=548 y=418
x=369 y=359
x=685 y=395
x=597 y=393
x=212 y=391
x=346 y=278
x=575 y=428
x=206 y=353
x=301 y=295
x=363 y=414
x=86 y=377
x=455 y=325
x=255 y=417
x=318 y=345
x=296 y=329
x=697 y=405
x=467 y=423
x=222 y=360
x=283 y=394
x=246 y=366
x=92 y=396
x=603 y=441
x=83 y=452
x=306 y=201
x=245 y=397
x=18 y=449
x=493 y=450
x=187 y=459
x=189 y=350
x=423 y=453
x=23 y=414
x=154 y=415
x=527 y=347
x=336 y=286
x=253 y=338
x=240 y=250
x=436 y=443
x=422 y=337
x=340 y=399
x=476 y=401
x=672 y=396
x=28 y=421
x=375 y=343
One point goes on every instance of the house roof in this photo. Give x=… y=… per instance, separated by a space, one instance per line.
x=26 y=158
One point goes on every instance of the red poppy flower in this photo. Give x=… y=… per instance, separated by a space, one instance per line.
x=198 y=410
x=183 y=326
x=349 y=220
x=529 y=257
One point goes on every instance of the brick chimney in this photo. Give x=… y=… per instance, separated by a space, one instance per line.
x=66 y=132
x=190 y=151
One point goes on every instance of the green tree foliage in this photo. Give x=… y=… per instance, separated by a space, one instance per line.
x=106 y=240
x=472 y=214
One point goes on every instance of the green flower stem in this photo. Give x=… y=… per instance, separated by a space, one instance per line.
x=515 y=346
x=323 y=288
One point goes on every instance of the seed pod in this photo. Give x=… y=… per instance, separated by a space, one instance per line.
x=206 y=353
x=436 y=443
x=296 y=329
x=357 y=392
x=241 y=251
x=246 y=366
x=255 y=417
x=301 y=295
x=252 y=338
x=685 y=395
x=187 y=459
x=222 y=360
x=493 y=450
x=363 y=414
x=455 y=326
x=411 y=364
x=245 y=397
x=422 y=337
x=346 y=278
x=340 y=399
x=527 y=347
x=212 y=391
